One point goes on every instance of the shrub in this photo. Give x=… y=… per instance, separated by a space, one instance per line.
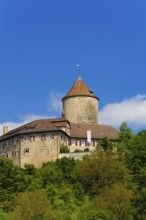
x=64 y=149
x=86 y=149
x=78 y=151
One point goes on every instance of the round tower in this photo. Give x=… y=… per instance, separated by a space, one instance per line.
x=80 y=105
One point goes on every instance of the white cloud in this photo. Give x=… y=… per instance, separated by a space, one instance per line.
x=54 y=108
x=55 y=103
x=22 y=119
x=11 y=125
x=132 y=110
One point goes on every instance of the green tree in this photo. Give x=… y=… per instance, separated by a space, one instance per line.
x=66 y=166
x=106 y=144
x=125 y=132
x=116 y=199
x=135 y=158
x=33 y=205
x=100 y=170
x=12 y=180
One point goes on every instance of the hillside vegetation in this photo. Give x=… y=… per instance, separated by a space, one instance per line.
x=108 y=185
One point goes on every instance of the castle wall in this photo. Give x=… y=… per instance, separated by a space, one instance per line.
x=12 y=152
x=81 y=109
x=33 y=149
x=39 y=152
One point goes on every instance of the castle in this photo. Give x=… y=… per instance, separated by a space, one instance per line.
x=39 y=141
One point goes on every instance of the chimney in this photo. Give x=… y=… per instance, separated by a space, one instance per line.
x=5 y=129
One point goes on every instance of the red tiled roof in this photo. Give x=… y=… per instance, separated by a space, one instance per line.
x=42 y=125
x=97 y=131
x=54 y=124
x=80 y=89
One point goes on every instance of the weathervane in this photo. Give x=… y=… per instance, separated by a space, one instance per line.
x=78 y=68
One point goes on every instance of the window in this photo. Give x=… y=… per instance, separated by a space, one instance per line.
x=32 y=138
x=43 y=137
x=29 y=129
x=26 y=138
x=48 y=136
x=91 y=144
x=26 y=150
x=21 y=139
x=83 y=142
x=37 y=137
x=15 y=140
x=73 y=142
x=53 y=136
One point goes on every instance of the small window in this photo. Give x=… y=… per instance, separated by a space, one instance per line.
x=15 y=140
x=26 y=150
x=26 y=138
x=73 y=142
x=43 y=137
x=83 y=142
x=37 y=137
x=48 y=136
x=32 y=138
x=29 y=129
x=21 y=139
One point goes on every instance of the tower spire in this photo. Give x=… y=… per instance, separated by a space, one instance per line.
x=79 y=70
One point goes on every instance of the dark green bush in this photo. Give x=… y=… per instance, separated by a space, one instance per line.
x=64 y=149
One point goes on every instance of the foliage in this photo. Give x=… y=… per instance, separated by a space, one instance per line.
x=86 y=149
x=64 y=149
x=116 y=199
x=106 y=144
x=103 y=186
x=32 y=205
x=99 y=170
x=12 y=180
x=135 y=159
x=77 y=151
x=125 y=132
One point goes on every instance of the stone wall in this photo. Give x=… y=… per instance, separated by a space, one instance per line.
x=76 y=156
x=39 y=152
x=81 y=148
x=31 y=151
x=81 y=109
x=12 y=152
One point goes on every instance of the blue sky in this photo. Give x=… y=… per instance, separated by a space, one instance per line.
x=42 y=41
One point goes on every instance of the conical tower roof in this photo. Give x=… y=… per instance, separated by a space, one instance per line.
x=80 y=89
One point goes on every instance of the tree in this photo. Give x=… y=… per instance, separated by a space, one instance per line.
x=12 y=180
x=125 y=132
x=106 y=144
x=100 y=170
x=116 y=199
x=135 y=158
x=33 y=205
x=66 y=165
